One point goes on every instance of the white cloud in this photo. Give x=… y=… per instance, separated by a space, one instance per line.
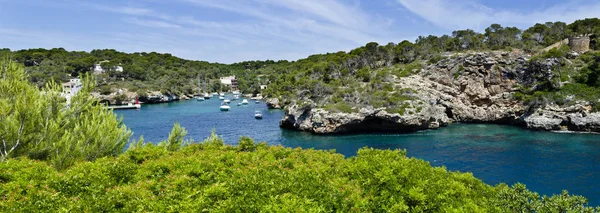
x=151 y=23
x=472 y=14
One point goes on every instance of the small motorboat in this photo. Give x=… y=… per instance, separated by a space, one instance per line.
x=214 y=94
x=257 y=102
x=200 y=98
x=239 y=104
x=235 y=97
x=206 y=96
x=221 y=97
x=221 y=94
x=258 y=114
x=224 y=107
x=245 y=101
x=227 y=101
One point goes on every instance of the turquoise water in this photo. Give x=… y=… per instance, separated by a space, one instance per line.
x=546 y=162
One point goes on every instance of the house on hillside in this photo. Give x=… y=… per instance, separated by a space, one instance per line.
x=99 y=70
x=230 y=81
x=72 y=87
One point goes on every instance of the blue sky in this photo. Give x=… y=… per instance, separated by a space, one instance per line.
x=237 y=30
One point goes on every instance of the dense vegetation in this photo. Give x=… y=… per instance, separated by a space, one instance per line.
x=68 y=157
x=42 y=125
x=250 y=177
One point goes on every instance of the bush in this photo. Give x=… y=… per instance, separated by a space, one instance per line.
x=42 y=125
x=339 y=107
x=105 y=90
x=257 y=178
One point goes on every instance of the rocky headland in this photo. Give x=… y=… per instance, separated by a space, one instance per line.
x=476 y=87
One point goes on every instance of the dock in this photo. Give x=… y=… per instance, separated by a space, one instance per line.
x=129 y=106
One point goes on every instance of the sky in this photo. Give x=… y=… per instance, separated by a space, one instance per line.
x=228 y=31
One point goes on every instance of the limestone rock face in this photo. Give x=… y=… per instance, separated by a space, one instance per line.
x=467 y=87
x=320 y=121
x=273 y=103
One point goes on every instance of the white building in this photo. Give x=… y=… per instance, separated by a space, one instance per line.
x=230 y=81
x=99 y=70
x=72 y=87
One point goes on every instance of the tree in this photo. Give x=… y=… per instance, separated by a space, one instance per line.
x=585 y=27
x=44 y=125
x=536 y=33
x=468 y=39
x=498 y=37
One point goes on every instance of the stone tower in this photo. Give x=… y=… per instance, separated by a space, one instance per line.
x=580 y=44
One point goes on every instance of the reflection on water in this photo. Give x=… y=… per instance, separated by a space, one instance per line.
x=547 y=162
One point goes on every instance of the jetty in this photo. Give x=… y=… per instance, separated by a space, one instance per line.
x=128 y=106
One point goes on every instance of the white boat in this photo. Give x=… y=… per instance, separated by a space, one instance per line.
x=235 y=97
x=222 y=94
x=236 y=92
x=224 y=107
x=214 y=94
x=239 y=104
x=200 y=98
x=221 y=97
x=258 y=114
x=206 y=96
x=227 y=101
x=245 y=101
x=257 y=102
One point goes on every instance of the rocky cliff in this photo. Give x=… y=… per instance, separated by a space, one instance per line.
x=469 y=87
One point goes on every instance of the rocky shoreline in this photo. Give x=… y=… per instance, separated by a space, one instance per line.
x=466 y=88
x=124 y=96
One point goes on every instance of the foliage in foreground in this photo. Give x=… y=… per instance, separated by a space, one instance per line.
x=210 y=176
x=41 y=125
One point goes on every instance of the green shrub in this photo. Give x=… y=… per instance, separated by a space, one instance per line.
x=105 y=90
x=339 y=107
x=42 y=125
x=260 y=178
x=435 y=58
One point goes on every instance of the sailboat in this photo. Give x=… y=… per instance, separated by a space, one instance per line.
x=245 y=101
x=201 y=87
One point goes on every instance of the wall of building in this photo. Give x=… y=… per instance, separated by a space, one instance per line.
x=580 y=44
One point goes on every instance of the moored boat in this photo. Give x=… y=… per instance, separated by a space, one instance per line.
x=224 y=107
x=258 y=114
x=245 y=101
